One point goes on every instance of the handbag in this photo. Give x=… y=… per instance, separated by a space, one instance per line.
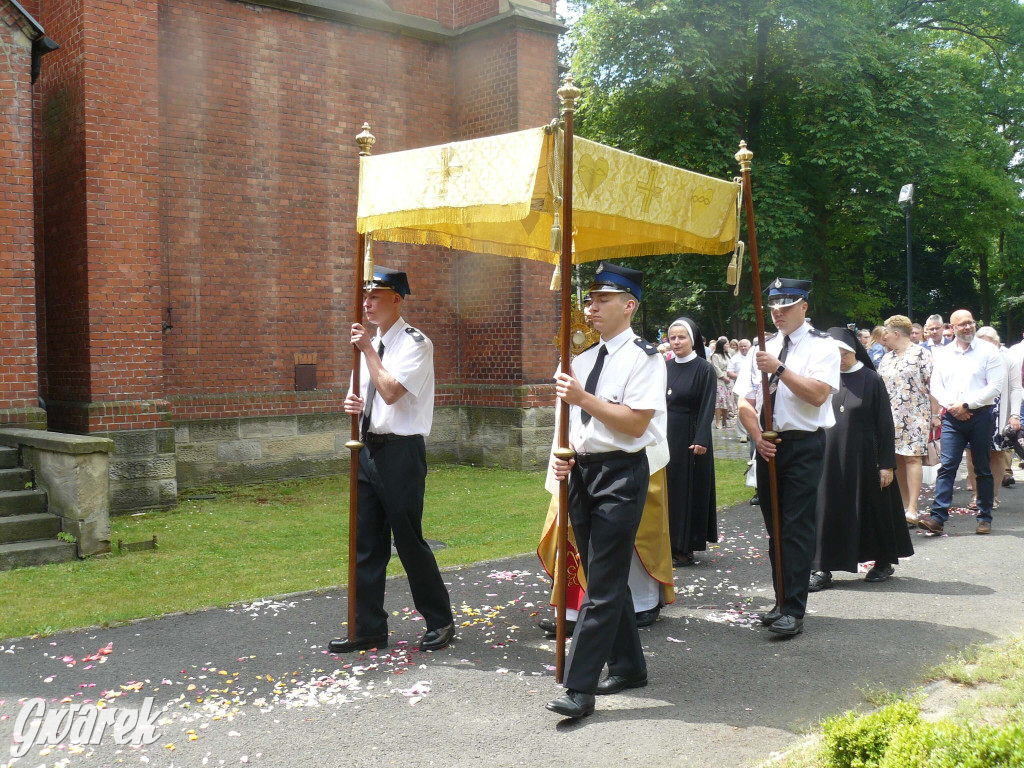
x=933 y=451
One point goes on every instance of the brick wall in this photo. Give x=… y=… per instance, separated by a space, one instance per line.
x=18 y=372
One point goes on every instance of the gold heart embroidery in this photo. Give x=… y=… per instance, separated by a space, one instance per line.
x=702 y=196
x=592 y=173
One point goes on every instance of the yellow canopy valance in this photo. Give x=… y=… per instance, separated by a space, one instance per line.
x=498 y=195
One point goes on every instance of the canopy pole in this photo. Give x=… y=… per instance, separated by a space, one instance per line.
x=743 y=157
x=365 y=140
x=568 y=94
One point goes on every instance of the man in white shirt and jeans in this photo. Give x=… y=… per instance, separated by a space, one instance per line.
x=966 y=379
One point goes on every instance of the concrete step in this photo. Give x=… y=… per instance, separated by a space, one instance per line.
x=41 y=525
x=22 y=502
x=8 y=457
x=15 y=478
x=24 y=554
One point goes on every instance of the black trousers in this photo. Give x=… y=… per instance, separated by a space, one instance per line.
x=392 y=479
x=606 y=502
x=799 y=464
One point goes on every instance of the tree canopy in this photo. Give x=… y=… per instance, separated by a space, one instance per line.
x=842 y=103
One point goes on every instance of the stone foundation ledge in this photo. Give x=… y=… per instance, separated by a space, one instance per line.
x=73 y=470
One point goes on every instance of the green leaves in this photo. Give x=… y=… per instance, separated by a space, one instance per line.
x=842 y=103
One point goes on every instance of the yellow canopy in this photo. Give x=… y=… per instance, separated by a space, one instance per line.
x=498 y=195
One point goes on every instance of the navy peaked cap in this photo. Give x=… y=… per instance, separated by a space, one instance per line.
x=391 y=279
x=612 y=278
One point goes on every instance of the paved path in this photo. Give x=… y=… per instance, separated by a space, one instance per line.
x=254 y=685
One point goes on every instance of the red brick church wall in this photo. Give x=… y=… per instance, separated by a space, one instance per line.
x=18 y=372
x=198 y=217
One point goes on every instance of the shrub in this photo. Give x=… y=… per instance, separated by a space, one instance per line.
x=860 y=741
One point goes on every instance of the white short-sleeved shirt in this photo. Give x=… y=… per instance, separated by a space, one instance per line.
x=736 y=363
x=630 y=376
x=812 y=354
x=409 y=357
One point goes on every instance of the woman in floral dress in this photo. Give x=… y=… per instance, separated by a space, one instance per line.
x=907 y=372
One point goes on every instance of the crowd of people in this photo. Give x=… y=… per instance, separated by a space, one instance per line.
x=839 y=424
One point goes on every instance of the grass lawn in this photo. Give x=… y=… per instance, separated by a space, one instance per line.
x=262 y=540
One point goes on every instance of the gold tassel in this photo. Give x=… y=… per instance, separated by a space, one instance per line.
x=735 y=270
x=556 y=279
x=368 y=259
x=556 y=235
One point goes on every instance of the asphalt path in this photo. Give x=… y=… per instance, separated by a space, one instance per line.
x=253 y=684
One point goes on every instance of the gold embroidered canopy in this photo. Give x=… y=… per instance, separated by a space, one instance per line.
x=499 y=195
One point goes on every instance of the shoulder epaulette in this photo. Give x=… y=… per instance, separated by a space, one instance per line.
x=415 y=334
x=819 y=334
x=646 y=346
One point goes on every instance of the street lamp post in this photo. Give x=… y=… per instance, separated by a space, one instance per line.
x=906 y=203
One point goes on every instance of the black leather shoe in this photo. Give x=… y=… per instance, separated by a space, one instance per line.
x=787 y=625
x=550 y=625
x=616 y=683
x=682 y=560
x=646 y=618
x=880 y=573
x=767 y=619
x=344 y=645
x=819 y=580
x=574 y=704
x=755 y=502
x=436 y=639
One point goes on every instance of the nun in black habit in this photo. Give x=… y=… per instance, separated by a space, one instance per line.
x=690 y=474
x=860 y=512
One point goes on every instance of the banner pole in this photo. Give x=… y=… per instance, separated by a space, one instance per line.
x=743 y=157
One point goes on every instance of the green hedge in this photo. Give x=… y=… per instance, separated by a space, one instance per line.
x=896 y=737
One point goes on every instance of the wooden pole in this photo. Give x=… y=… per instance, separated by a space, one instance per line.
x=568 y=94
x=743 y=157
x=365 y=140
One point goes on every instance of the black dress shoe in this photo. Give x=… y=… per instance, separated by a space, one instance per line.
x=787 y=625
x=682 y=560
x=616 y=683
x=344 y=645
x=574 y=704
x=767 y=619
x=819 y=580
x=436 y=639
x=755 y=502
x=881 y=572
x=646 y=618
x=550 y=625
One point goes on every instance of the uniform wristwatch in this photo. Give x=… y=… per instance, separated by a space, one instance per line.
x=780 y=370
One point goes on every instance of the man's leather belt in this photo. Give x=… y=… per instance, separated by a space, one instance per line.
x=797 y=434
x=373 y=439
x=597 y=458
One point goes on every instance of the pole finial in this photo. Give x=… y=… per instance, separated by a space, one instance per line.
x=365 y=140
x=568 y=93
x=743 y=157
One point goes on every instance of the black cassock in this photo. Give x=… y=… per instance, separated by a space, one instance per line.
x=690 y=479
x=858 y=520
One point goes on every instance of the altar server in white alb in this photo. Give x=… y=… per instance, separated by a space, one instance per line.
x=616 y=398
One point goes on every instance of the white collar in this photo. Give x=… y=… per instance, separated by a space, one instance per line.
x=617 y=341
x=855 y=367
x=688 y=358
x=392 y=333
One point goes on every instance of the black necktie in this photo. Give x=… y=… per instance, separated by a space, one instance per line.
x=773 y=380
x=371 y=393
x=595 y=374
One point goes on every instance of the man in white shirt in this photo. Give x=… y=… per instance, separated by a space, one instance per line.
x=933 y=333
x=614 y=418
x=967 y=376
x=736 y=363
x=396 y=401
x=803 y=364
